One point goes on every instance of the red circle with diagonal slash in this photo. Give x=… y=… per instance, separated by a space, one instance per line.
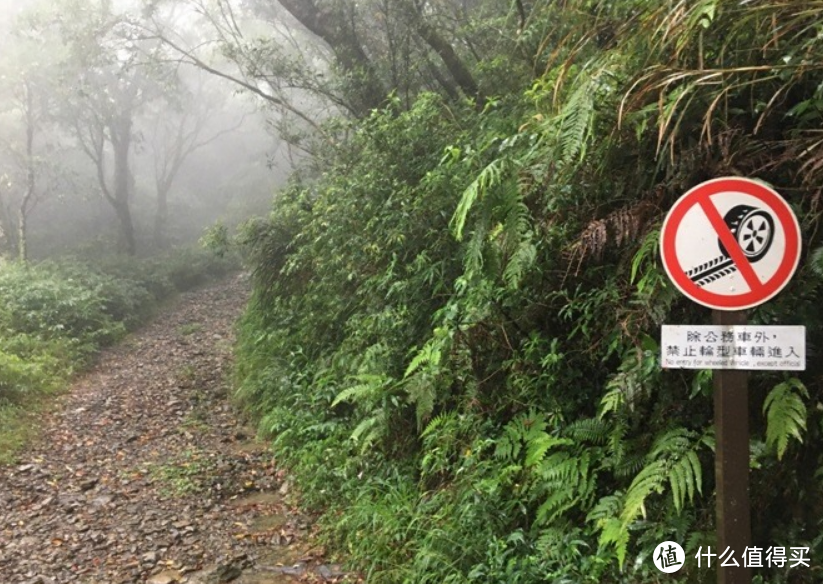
x=705 y=196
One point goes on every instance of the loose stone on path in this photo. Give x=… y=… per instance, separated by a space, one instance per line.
x=146 y=474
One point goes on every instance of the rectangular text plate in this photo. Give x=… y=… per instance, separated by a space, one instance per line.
x=751 y=347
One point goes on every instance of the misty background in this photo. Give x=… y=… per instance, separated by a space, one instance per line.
x=109 y=141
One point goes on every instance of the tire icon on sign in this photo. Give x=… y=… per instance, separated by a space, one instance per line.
x=752 y=228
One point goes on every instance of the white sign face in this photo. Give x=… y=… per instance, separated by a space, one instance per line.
x=750 y=347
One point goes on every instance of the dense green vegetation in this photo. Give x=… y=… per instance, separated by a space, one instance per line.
x=452 y=339
x=56 y=315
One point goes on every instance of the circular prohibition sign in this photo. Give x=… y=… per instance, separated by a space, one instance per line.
x=730 y=243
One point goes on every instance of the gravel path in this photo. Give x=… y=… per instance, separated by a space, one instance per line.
x=146 y=474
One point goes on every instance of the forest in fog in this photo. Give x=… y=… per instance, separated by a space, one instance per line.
x=109 y=142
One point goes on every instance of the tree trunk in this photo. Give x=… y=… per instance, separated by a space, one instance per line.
x=8 y=241
x=161 y=217
x=126 y=243
x=22 y=248
x=455 y=65
x=23 y=211
x=335 y=27
x=121 y=142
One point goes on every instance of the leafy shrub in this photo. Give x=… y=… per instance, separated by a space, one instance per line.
x=39 y=301
x=456 y=322
x=18 y=375
x=55 y=315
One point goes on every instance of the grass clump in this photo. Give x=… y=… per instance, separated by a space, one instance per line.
x=190 y=329
x=188 y=475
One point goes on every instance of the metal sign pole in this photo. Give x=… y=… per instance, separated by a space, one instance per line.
x=731 y=422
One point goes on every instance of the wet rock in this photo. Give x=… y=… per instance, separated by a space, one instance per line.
x=329 y=572
x=40 y=580
x=166 y=577
x=220 y=574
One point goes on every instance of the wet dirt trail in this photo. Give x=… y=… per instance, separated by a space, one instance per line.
x=144 y=473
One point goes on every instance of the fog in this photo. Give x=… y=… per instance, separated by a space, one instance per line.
x=112 y=139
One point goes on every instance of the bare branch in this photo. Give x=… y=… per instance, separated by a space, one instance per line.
x=189 y=58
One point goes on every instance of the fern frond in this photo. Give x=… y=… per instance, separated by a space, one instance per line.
x=686 y=477
x=612 y=401
x=474 y=251
x=592 y=430
x=608 y=506
x=554 y=506
x=422 y=393
x=519 y=263
x=628 y=465
x=674 y=441
x=369 y=431
x=562 y=468
x=438 y=422
x=430 y=354
x=525 y=428
x=370 y=388
x=650 y=480
x=509 y=444
x=568 y=480
x=785 y=414
x=617 y=440
x=538 y=447
x=517 y=239
x=576 y=121
x=488 y=177
x=816 y=261
x=613 y=532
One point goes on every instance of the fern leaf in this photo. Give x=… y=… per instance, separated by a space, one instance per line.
x=576 y=120
x=371 y=387
x=592 y=430
x=517 y=235
x=816 y=261
x=430 y=354
x=525 y=428
x=537 y=448
x=674 y=441
x=685 y=479
x=785 y=415
x=522 y=259
x=568 y=480
x=649 y=481
x=555 y=505
x=677 y=481
x=612 y=401
x=607 y=507
x=368 y=431
x=614 y=532
x=438 y=422
x=488 y=177
x=422 y=392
